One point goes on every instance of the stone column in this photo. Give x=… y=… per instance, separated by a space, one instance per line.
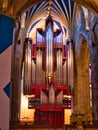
x=82 y=88
x=82 y=112
x=15 y=77
x=94 y=71
x=94 y=82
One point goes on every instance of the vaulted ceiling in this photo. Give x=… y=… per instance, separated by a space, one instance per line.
x=15 y=7
x=92 y=5
x=62 y=11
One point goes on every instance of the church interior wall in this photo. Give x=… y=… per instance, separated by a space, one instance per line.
x=91 y=38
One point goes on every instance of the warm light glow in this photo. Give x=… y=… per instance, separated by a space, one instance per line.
x=67 y=96
x=25 y=113
x=32 y=33
x=4 y=4
x=23 y=16
x=85 y=10
x=67 y=114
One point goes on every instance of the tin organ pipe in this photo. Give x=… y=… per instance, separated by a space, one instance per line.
x=51 y=95
x=59 y=66
x=70 y=66
x=49 y=49
x=27 y=68
x=33 y=72
x=39 y=67
x=64 y=73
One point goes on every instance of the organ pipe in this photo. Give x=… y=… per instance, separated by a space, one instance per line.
x=27 y=66
x=49 y=49
x=59 y=66
x=70 y=67
x=33 y=72
x=39 y=67
x=51 y=94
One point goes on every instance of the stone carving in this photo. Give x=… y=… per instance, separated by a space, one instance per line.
x=78 y=118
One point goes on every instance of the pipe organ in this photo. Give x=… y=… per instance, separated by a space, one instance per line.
x=45 y=75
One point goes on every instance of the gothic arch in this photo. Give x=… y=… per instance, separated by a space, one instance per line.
x=80 y=37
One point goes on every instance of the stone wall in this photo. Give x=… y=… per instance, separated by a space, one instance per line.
x=81 y=74
x=93 y=22
x=92 y=42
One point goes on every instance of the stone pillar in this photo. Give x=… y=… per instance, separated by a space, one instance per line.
x=82 y=88
x=94 y=71
x=15 y=77
x=94 y=81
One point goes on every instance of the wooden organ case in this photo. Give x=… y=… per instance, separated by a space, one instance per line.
x=45 y=76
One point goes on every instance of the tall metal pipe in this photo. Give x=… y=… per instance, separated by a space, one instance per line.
x=49 y=47
x=27 y=66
